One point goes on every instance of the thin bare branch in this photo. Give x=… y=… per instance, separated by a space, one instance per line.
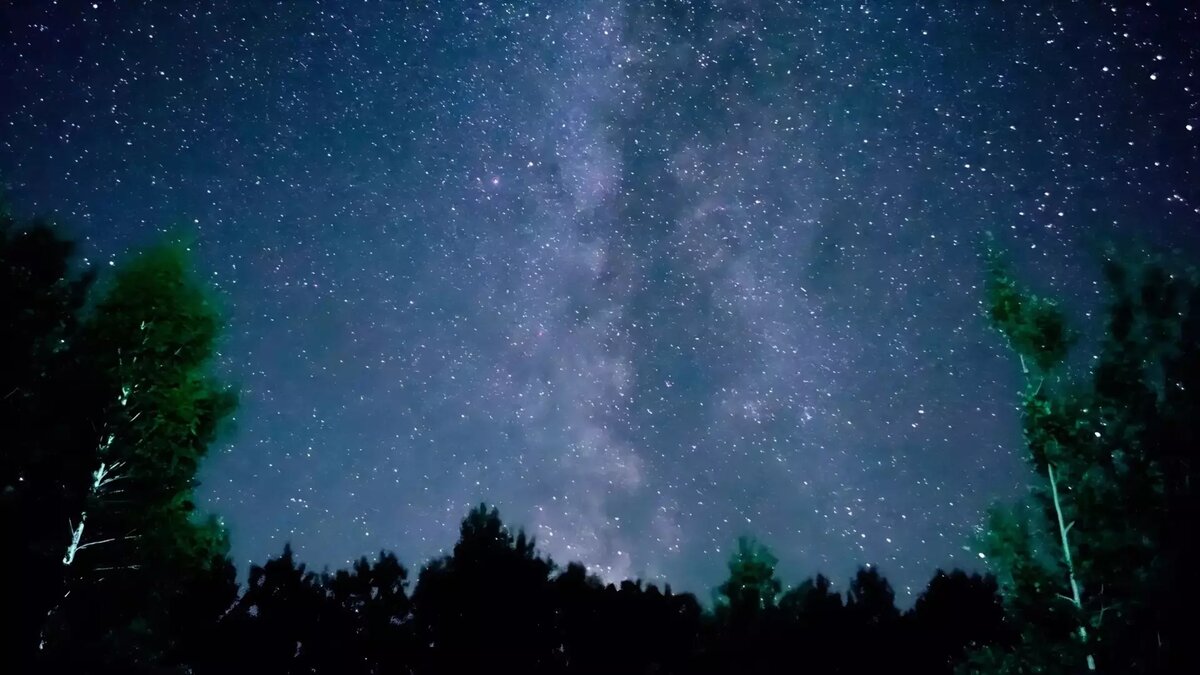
x=94 y=543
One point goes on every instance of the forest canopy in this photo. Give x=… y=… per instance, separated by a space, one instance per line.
x=111 y=403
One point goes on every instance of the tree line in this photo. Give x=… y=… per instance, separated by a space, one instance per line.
x=110 y=402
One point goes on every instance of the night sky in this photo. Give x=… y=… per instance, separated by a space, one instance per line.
x=645 y=275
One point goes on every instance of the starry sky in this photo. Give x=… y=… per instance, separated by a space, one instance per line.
x=646 y=275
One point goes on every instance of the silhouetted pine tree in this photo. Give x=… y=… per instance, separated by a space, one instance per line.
x=373 y=596
x=487 y=605
x=872 y=622
x=955 y=614
x=812 y=622
x=289 y=621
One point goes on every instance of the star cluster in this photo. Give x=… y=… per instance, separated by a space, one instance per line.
x=646 y=275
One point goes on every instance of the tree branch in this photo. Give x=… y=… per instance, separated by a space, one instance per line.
x=117 y=567
x=105 y=541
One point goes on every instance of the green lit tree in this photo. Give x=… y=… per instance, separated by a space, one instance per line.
x=1086 y=565
x=135 y=544
x=745 y=607
x=751 y=588
x=1035 y=564
x=745 y=612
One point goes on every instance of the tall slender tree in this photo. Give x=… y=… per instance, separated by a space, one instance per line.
x=1038 y=566
x=1085 y=566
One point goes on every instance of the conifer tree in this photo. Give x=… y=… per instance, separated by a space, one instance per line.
x=487 y=603
x=751 y=587
x=745 y=608
x=957 y=612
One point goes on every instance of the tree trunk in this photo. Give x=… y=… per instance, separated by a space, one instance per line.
x=101 y=477
x=1063 y=529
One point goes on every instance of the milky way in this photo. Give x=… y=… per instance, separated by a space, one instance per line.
x=647 y=276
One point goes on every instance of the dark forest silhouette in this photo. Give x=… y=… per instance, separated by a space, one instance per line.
x=109 y=404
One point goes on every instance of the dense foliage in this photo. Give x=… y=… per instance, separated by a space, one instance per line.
x=110 y=404
x=1092 y=566
x=116 y=408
